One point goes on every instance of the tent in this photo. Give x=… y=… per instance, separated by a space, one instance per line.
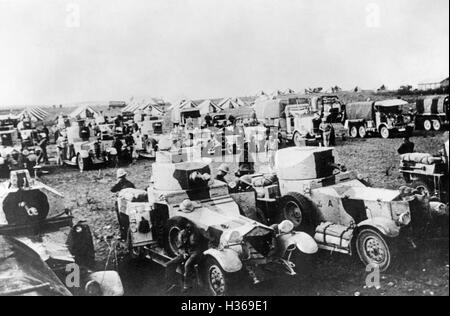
x=84 y=112
x=229 y=104
x=208 y=106
x=188 y=104
x=36 y=114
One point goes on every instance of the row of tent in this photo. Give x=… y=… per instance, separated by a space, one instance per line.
x=36 y=114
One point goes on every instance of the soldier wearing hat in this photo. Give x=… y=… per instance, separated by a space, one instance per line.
x=222 y=172
x=122 y=182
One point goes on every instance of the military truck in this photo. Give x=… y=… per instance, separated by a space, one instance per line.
x=33 y=217
x=432 y=113
x=183 y=193
x=86 y=154
x=341 y=211
x=385 y=118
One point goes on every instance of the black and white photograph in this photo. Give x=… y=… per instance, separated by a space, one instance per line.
x=239 y=149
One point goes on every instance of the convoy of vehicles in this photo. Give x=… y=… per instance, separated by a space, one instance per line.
x=385 y=118
x=432 y=113
x=183 y=193
x=35 y=225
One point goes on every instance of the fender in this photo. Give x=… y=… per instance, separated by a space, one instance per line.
x=304 y=242
x=385 y=225
x=227 y=258
x=112 y=151
x=109 y=282
x=84 y=154
x=2 y=161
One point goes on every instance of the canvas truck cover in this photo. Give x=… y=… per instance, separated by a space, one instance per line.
x=433 y=105
x=22 y=272
x=360 y=111
x=268 y=109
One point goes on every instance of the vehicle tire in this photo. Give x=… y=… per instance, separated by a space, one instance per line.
x=437 y=125
x=353 y=132
x=362 y=132
x=373 y=248
x=173 y=227
x=83 y=163
x=427 y=125
x=384 y=132
x=217 y=281
x=299 y=210
x=297 y=140
x=423 y=187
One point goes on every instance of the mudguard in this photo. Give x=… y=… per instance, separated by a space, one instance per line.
x=227 y=258
x=385 y=225
x=109 y=282
x=304 y=242
x=112 y=151
x=84 y=154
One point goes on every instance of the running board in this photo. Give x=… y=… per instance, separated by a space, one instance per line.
x=334 y=249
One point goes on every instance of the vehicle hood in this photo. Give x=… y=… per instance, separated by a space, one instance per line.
x=22 y=272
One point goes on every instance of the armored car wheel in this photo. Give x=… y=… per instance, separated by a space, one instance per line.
x=297 y=209
x=297 y=140
x=171 y=233
x=83 y=163
x=217 y=281
x=373 y=249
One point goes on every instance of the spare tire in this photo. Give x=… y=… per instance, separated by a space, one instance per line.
x=299 y=210
x=173 y=227
x=16 y=203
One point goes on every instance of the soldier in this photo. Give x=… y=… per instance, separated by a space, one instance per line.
x=222 y=172
x=407 y=147
x=122 y=182
x=326 y=129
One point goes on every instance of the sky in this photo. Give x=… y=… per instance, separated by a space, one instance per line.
x=63 y=51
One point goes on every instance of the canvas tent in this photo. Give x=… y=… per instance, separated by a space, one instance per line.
x=36 y=114
x=208 y=106
x=83 y=112
x=229 y=104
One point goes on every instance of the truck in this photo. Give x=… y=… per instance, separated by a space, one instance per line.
x=343 y=212
x=183 y=193
x=385 y=118
x=432 y=113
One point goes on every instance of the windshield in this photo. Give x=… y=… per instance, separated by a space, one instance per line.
x=390 y=109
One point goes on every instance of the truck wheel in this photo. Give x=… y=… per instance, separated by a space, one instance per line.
x=297 y=209
x=173 y=228
x=373 y=249
x=298 y=140
x=353 y=132
x=216 y=279
x=427 y=125
x=384 y=132
x=437 y=125
x=362 y=132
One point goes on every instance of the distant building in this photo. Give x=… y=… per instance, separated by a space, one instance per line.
x=434 y=85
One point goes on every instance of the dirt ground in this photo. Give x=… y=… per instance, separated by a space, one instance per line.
x=422 y=272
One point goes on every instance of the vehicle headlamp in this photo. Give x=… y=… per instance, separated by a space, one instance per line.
x=93 y=288
x=404 y=219
x=286 y=227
